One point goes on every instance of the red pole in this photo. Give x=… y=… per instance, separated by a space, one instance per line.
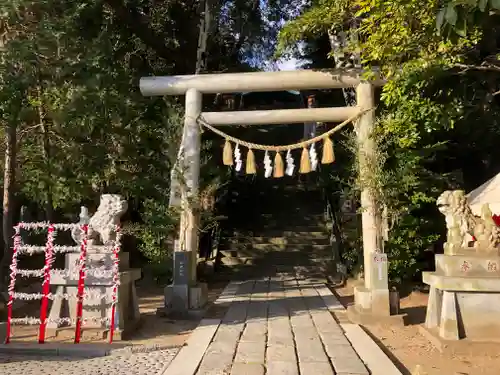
x=46 y=283
x=12 y=285
x=81 y=284
x=116 y=281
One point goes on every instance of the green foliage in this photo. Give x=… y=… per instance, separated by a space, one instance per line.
x=69 y=74
x=320 y=17
x=438 y=87
x=406 y=244
x=157 y=231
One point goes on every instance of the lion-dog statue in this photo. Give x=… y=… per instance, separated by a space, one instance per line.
x=102 y=225
x=460 y=221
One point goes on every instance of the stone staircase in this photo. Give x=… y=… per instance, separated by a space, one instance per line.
x=278 y=226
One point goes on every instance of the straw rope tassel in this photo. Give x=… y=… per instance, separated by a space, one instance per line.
x=305 y=162
x=227 y=153
x=278 y=166
x=328 y=153
x=251 y=167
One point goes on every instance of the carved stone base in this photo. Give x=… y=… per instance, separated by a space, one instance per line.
x=182 y=298
x=463 y=307
x=468 y=264
x=374 y=306
x=127 y=315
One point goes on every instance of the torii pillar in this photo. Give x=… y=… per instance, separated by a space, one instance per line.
x=372 y=298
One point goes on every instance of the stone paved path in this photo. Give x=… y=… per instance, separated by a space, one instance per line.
x=277 y=326
x=272 y=326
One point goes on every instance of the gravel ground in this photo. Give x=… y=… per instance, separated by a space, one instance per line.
x=152 y=363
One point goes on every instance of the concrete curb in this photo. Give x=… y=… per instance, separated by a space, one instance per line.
x=370 y=353
x=80 y=350
x=56 y=350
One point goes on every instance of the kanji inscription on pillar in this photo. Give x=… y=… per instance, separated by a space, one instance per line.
x=379 y=271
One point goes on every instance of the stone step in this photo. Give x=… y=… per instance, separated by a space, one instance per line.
x=289 y=234
x=281 y=240
x=275 y=247
x=249 y=252
x=275 y=261
x=279 y=229
x=277 y=213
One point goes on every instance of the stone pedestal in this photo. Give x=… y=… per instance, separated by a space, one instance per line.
x=184 y=293
x=464 y=300
x=98 y=306
x=181 y=298
x=373 y=301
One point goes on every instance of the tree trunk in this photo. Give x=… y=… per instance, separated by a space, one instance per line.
x=8 y=195
x=49 y=206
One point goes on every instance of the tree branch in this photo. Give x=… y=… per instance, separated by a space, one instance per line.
x=484 y=67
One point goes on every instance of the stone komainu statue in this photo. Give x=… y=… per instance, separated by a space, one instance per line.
x=460 y=222
x=102 y=225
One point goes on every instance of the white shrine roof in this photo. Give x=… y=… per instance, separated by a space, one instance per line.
x=489 y=192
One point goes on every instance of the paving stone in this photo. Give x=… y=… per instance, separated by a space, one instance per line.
x=219 y=362
x=251 y=352
x=254 y=332
x=279 y=331
x=213 y=371
x=311 y=351
x=345 y=360
x=333 y=339
x=236 y=313
x=277 y=309
x=324 y=321
x=282 y=368
x=281 y=352
x=257 y=310
x=316 y=368
x=228 y=332
x=302 y=321
x=302 y=334
x=222 y=346
x=247 y=369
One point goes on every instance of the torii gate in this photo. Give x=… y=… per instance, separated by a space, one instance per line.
x=374 y=296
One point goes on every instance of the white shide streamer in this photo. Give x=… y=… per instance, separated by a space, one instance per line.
x=290 y=166
x=268 y=168
x=44 y=225
x=314 y=157
x=237 y=158
x=98 y=272
x=89 y=294
x=31 y=249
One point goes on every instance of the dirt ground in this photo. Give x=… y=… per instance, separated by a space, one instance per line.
x=410 y=348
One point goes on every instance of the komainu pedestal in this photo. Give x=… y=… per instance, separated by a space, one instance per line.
x=464 y=300
x=98 y=293
x=99 y=283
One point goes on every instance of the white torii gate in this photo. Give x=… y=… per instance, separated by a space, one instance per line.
x=374 y=296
